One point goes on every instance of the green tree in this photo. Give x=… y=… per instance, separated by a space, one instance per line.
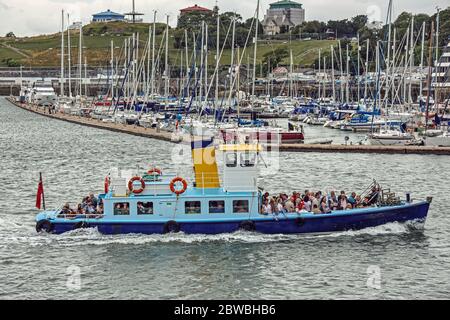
x=313 y=27
x=11 y=63
x=226 y=18
x=273 y=58
x=193 y=21
x=359 y=22
x=444 y=26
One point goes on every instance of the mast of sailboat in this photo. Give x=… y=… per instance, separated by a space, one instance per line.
x=388 y=61
x=291 y=72
x=202 y=47
x=255 y=52
x=437 y=35
x=378 y=90
x=166 y=72
x=149 y=55
x=85 y=76
x=112 y=70
x=325 y=80
x=62 y=54
x=216 y=96
x=206 y=59
x=436 y=92
x=153 y=54
x=69 y=56
x=411 y=60
x=367 y=70
x=318 y=75
x=358 y=71
x=394 y=53
x=347 y=78
x=238 y=80
x=332 y=74
x=406 y=64
x=137 y=59
x=421 y=59
x=341 y=71
x=430 y=62
x=80 y=59
x=188 y=70
x=232 y=60
x=182 y=79
x=125 y=67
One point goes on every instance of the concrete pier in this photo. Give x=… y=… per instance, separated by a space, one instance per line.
x=95 y=123
x=169 y=137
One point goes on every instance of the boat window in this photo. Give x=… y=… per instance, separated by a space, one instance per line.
x=144 y=208
x=122 y=209
x=193 y=207
x=248 y=159
x=217 y=207
x=231 y=160
x=240 y=206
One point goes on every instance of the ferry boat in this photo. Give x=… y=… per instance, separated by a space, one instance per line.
x=160 y=203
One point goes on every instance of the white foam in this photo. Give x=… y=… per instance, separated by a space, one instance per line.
x=91 y=236
x=389 y=228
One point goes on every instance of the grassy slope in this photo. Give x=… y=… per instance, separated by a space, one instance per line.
x=45 y=50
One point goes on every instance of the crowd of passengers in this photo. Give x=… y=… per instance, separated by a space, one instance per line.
x=316 y=202
x=89 y=205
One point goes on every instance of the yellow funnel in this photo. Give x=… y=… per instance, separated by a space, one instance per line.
x=205 y=164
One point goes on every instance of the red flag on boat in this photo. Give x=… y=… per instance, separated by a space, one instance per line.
x=40 y=193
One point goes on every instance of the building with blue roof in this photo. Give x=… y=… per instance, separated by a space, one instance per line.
x=108 y=16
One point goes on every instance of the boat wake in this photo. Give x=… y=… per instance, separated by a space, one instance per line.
x=86 y=237
x=393 y=228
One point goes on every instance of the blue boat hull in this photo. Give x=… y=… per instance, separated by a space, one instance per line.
x=291 y=224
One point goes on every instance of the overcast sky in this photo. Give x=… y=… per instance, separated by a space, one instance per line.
x=32 y=17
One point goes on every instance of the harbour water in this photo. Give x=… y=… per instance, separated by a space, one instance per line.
x=389 y=262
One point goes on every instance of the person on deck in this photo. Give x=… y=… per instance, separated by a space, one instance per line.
x=280 y=207
x=307 y=204
x=324 y=205
x=352 y=200
x=93 y=199
x=342 y=202
x=80 y=209
x=333 y=201
x=266 y=208
x=273 y=206
x=290 y=205
x=316 y=209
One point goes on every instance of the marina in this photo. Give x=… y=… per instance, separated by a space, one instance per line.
x=154 y=134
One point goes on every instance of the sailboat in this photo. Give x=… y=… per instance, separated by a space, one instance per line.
x=266 y=134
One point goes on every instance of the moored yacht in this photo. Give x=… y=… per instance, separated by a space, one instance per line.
x=43 y=94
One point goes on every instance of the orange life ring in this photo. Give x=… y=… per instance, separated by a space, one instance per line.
x=155 y=170
x=172 y=186
x=131 y=185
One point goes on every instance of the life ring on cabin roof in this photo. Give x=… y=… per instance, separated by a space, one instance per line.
x=174 y=182
x=155 y=170
x=131 y=185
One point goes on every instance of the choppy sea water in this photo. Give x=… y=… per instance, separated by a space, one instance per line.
x=388 y=262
